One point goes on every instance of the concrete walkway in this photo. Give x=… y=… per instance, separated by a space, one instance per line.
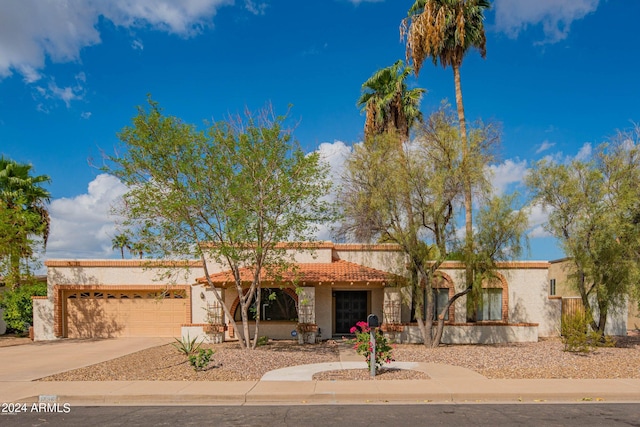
x=21 y=364
x=349 y=359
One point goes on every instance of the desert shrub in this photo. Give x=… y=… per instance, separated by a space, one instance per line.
x=263 y=340
x=577 y=335
x=201 y=359
x=18 y=307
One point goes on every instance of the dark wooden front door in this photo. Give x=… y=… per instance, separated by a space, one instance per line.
x=351 y=307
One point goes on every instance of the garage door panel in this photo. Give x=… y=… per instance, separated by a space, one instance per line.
x=121 y=314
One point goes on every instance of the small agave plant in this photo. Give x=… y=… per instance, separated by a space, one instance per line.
x=187 y=345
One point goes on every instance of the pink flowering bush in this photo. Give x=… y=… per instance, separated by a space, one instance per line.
x=363 y=347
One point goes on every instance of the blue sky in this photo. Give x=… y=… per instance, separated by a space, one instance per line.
x=560 y=76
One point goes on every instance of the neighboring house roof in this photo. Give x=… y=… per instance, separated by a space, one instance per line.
x=337 y=271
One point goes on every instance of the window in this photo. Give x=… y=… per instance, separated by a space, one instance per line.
x=490 y=308
x=275 y=304
x=441 y=297
x=552 y=287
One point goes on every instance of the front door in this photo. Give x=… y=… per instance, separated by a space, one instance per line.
x=351 y=307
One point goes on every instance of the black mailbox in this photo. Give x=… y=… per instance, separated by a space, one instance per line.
x=372 y=321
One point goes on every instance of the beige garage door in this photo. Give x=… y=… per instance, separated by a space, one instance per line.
x=126 y=313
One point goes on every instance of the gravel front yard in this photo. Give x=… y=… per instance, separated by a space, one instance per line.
x=544 y=359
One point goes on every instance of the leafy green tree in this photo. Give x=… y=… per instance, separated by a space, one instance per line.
x=232 y=194
x=23 y=201
x=445 y=30
x=387 y=102
x=18 y=307
x=593 y=207
x=410 y=197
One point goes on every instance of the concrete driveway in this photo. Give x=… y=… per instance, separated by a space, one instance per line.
x=35 y=360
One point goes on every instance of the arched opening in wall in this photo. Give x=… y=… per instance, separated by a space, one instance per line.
x=275 y=305
x=491 y=303
x=443 y=290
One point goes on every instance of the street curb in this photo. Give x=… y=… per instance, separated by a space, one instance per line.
x=333 y=392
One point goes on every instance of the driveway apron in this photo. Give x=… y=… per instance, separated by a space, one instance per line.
x=32 y=361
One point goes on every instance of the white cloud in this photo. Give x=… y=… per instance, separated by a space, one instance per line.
x=65 y=94
x=545 y=146
x=85 y=115
x=538 y=216
x=137 y=45
x=33 y=30
x=556 y=16
x=255 y=8
x=584 y=154
x=334 y=154
x=82 y=226
x=507 y=173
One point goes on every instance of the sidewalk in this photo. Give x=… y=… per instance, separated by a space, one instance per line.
x=294 y=386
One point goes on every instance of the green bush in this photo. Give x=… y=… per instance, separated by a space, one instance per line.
x=263 y=340
x=577 y=336
x=18 y=307
x=201 y=360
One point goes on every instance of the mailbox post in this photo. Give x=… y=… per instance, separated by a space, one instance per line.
x=372 y=322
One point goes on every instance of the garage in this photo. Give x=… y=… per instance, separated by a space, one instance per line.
x=125 y=313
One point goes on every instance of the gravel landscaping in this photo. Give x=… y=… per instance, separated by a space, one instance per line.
x=544 y=359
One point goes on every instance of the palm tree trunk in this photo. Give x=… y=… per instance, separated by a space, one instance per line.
x=468 y=216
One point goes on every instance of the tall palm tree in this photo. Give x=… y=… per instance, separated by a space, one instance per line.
x=20 y=190
x=388 y=104
x=445 y=30
x=121 y=241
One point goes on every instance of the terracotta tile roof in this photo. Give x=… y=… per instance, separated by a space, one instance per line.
x=337 y=271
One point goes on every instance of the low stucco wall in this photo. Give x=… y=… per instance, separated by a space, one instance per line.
x=42 y=319
x=3 y=324
x=473 y=334
x=273 y=330
x=633 y=318
x=616 y=318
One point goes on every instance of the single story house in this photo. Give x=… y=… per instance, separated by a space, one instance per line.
x=328 y=288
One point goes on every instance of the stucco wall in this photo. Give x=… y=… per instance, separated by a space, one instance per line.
x=475 y=334
x=43 y=319
x=633 y=319
x=528 y=300
x=324 y=310
x=391 y=261
x=199 y=304
x=3 y=324
x=116 y=272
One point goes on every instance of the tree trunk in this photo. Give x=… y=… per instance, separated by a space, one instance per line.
x=256 y=333
x=603 y=309
x=226 y=311
x=440 y=328
x=582 y=290
x=468 y=206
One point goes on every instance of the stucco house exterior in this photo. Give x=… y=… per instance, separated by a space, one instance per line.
x=330 y=287
x=625 y=317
